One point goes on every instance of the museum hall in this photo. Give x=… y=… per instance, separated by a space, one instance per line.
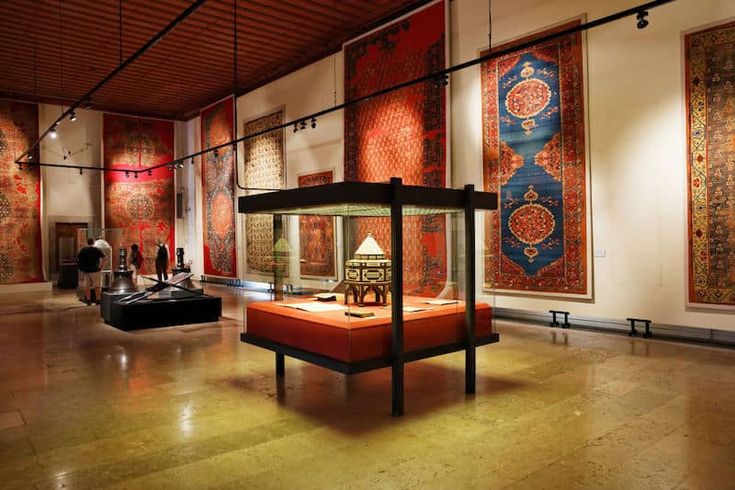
x=361 y=244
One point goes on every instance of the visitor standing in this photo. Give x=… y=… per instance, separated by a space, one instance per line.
x=89 y=261
x=136 y=262
x=162 y=262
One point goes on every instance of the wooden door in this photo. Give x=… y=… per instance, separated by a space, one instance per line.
x=66 y=230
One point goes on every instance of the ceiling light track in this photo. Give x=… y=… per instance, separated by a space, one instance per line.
x=29 y=165
x=196 y=5
x=438 y=78
x=129 y=173
x=441 y=75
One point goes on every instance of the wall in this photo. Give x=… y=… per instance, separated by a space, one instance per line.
x=68 y=196
x=189 y=229
x=636 y=140
x=303 y=92
x=71 y=197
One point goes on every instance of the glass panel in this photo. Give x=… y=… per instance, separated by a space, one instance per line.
x=432 y=308
x=484 y=294
x=485 y=260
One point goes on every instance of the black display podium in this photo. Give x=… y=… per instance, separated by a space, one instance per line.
x=154 y=313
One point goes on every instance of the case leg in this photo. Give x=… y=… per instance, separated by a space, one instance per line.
x=280 y=365
x=397 y=390
x=470 y=364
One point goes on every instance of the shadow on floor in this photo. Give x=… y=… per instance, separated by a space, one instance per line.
x=361 y=403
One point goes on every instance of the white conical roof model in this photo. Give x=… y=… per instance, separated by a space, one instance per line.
x=369 y=247
x=281 y=246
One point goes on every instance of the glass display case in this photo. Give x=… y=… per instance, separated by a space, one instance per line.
x=109 y=240
x=402 y=288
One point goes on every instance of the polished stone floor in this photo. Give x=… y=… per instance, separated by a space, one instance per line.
x=83 y=405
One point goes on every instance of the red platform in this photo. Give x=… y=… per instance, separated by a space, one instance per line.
x=333 y=334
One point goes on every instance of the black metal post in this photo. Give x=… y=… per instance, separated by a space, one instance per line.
x=278 y=260
x=396 y=257
x=470 y=361
x=280 y=364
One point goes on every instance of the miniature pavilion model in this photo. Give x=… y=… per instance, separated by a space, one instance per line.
x=332 y=339
x=369 y=270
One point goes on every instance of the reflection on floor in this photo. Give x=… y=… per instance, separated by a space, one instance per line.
x=83 y=405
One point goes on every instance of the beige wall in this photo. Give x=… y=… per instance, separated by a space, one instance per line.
x=71 y=197
x=68 y=196
x=636 y=141
x=191 y=227
x=636 y=137
x=303 y=92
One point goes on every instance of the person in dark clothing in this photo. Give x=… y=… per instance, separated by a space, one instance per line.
x=136 y=262
x=162 y=262
x=89 y=261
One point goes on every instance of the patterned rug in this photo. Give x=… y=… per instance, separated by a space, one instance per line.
x=218 y=186
x=534 y=158
x=20 y=197
x=402 y=134
x=142 y=207
x=316 y=235
x=710 y=82
x=265 y=168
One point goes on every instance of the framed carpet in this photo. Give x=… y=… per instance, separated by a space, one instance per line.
x=402 y=134
x=710 y=78
x=265 y=168
x=534 y=158
x=317 y=250
x=218 y=188
x=20 y=197
x=142 y=207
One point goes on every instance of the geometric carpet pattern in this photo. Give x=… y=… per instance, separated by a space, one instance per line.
x=534 y=159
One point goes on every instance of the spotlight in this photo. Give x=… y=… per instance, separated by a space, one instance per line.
x=216 y=153
x=30 y=156
x=72 y=116
x=52 y=132
x=150 y=172
x=313 y=123
x=192 y=160
x=127 y=174
x=441 y=81
x=136 y=175
x=170 y=167
x=87 y=104
x=302 y=124
x=20 y=167
x=642 y=21
x=81 y=171
x=295 y=127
